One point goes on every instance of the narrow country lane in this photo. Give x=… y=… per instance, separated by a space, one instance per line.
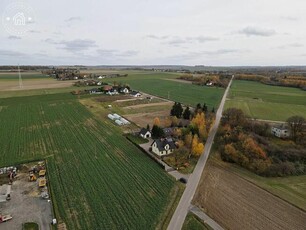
x=182 y=209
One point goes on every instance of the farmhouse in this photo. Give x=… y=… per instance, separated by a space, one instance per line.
x=124 y=90
x=280 y=131
x=145 y=133
x=107 y=88
x=136 y=94
x=162 y=147
x=95 y=91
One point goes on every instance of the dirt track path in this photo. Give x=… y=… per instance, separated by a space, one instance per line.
x=148 y=105
x=235 y=203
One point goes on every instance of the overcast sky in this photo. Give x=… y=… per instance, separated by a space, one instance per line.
x=150 y=32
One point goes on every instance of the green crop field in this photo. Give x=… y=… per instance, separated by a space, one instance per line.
x=266 y=102
x=188 y=94
x=98 y=179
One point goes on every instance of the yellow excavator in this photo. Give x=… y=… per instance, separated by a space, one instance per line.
x=32 y=177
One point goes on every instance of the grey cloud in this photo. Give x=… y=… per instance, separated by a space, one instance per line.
x=177 y=41
x=12 y=37
x=291 y=45
x=289 y=18
x=34 y=31
x=200 y=54
x=11 y=53
x=255 y=31
x=222 y=51
x=72 y=19
x=202 y=39
x=157 y=37
x=77 y=45
x=116 y=53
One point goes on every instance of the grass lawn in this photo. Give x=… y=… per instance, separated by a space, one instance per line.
x=30 y=226
x=192 y=222
x=266 y=102
x=291 y=189
x=136 y=139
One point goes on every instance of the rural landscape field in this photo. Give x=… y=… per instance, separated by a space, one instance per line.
x=267 y=102
x=86 y=158
x=152 y=115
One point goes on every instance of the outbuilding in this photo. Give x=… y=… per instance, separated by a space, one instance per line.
x=145 y=133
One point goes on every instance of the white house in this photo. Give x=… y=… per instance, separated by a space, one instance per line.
x=280 y=131
x=163 y=147
x=136 y=94
x=124 y=90
x=145 y=133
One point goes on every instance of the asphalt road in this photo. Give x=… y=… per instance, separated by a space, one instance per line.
x=182 y=209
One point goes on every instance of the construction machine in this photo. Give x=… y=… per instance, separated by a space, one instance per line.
x=4 y=218
x=32 y=177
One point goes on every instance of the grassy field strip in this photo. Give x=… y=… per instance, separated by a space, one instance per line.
x=267 y=102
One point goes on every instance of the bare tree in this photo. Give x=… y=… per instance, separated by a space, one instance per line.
x=296 y=124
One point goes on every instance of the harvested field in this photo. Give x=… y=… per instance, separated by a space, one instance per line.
x=142 y=119
x=235 y=203
x=13 y=85
x=106 y=98
x=168 y=103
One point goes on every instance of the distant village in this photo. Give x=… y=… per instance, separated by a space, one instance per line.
x=65 y=74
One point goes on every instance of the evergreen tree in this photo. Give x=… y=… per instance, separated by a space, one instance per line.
x=179 y=110
x=205 y=108
x=172 y=112
x=187 y=113
x=157 y=132
x=213 y=110
x=198 y=108
x=148 y=127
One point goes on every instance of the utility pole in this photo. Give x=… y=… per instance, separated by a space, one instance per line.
x=20 y=79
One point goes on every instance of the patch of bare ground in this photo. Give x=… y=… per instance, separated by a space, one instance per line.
x=142 y=119
x=235 y=203
x=34 y=84
x=106 y=98
x=148 y=105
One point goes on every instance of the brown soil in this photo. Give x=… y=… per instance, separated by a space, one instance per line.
x=148 y=105
x=142 y=119
x=34 y=84
x=106 y=98
x=236 y=203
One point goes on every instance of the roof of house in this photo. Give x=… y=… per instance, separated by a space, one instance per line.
x=107 y=87
x=168 y=131
x=135 y=93
x=143 y=131
x=281 y=127
x=161 y=143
